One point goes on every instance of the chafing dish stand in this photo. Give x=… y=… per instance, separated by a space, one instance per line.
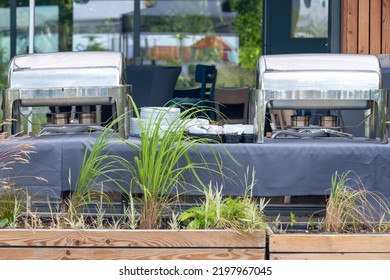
x=321 y=81
x=67 y=79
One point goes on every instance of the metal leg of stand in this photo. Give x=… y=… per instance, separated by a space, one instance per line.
x=383 y=130
x=370 y=122
x=261 y=107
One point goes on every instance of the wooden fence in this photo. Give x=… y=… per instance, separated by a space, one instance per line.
x=365 y=26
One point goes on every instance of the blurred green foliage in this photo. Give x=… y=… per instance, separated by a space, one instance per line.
x=249 y=29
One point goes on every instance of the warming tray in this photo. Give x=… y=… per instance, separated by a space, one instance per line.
x=60 y=79
x=321 y=81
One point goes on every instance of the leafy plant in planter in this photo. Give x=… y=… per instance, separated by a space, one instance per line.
x=354 y=209
x=12 y=207
x=161 y=162
x=219 y=212
x=96 y=170
x=350 y=208
x=160 y=186
x=157 y=170
x=354 y=217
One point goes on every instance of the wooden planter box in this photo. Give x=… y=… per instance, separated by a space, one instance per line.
x=329 y=246
x=52 y=244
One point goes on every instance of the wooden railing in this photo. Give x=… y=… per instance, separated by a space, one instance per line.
x=365 y=26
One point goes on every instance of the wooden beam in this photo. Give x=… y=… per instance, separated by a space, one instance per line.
x=327 y=256
x=375 y=26
x=349 y=26
x=329 y=243
x=42 y=253
x=131 y=238
x=364 y=27
x=385 y=26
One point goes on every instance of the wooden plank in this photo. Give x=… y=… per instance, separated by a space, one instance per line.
x=130 y=254
x=132 y=238
x=349 y=32
x=330 y=243
x=323 y=256
x=375 y=26
x=364 y=27
x=385 y=26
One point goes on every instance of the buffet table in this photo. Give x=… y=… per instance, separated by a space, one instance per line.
x=282 y=166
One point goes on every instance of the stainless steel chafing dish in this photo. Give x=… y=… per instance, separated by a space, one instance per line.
x=321 y=81
x=67 y=79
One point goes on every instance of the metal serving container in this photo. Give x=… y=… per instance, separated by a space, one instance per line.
x=320 y=81
x=67 y=79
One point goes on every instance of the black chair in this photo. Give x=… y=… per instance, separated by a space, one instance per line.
x=152 y=85
x=231 y=104
x=203 y=95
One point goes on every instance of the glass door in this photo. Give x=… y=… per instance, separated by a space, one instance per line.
x=296 y=26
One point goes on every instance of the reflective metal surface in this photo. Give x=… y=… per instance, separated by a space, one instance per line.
x=319 y=72
x=66 y=69
x=321 y=81
x=67 y=79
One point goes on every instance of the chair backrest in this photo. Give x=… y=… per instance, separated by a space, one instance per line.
x=206 y=75
x=230 y=99
x=186 y=92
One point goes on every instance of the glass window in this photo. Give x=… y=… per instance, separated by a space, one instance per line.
x=309 y=19
x=97 y=25
x=4 y=44
x=172 y=32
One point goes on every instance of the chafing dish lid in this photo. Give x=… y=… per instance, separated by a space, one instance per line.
x=67 y=69
x=318 y=72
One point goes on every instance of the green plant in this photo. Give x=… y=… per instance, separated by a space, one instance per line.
x=96 y=170
x=3 y=222
x=100 y=218
x=292 y=219
x=12 y=201
x=218 y=212
x=132 y=215
x=12 y=206
x=161 y=161
x=248 y=26
x=311 y=224
x=277 y=223
x=174 y=222
x=354 y=209
x=74 y=219
x=157 y=170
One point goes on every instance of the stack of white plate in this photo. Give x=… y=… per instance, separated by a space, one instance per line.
x=150 y=116
x=154 y=114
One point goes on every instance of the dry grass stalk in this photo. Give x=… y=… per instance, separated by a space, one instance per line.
x=12 y=151
x=354 y=209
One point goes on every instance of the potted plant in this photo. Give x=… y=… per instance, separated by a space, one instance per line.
x=356 y=226
x=140 y=232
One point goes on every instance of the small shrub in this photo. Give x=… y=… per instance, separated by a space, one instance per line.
x=241 y=213
x=12 y=206
x=161 y=162
x=354 y=209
